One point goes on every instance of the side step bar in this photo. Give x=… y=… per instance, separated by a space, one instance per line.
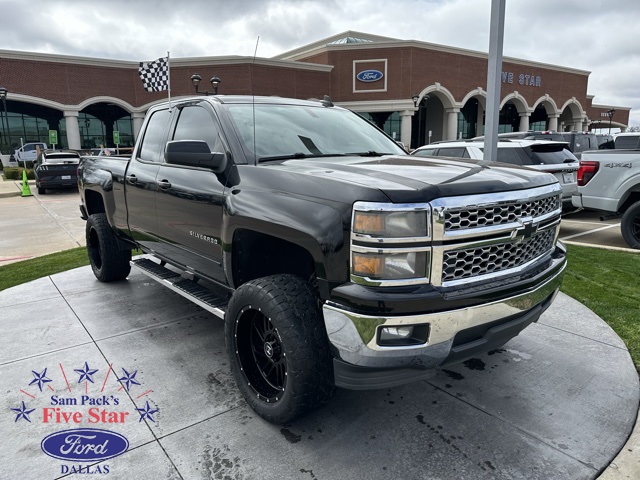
x=187 y=288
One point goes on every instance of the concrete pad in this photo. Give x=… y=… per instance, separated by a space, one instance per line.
x=38 y=327
x=183 y=360
x=127 y=306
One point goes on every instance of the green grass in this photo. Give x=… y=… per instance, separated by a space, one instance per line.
x=606 y=281
x=27 y=270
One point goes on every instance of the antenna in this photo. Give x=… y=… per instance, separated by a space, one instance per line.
x=253 y=100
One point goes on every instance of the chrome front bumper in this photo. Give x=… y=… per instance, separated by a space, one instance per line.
x=355 y=336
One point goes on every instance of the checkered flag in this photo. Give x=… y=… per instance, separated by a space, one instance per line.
x=155 y=74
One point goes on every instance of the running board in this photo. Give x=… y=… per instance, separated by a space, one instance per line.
x=189 y=289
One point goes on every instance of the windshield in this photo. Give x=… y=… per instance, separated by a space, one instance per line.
x=297 y=131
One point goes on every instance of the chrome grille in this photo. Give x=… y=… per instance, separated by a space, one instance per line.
x=461 y=264
x=491 y=215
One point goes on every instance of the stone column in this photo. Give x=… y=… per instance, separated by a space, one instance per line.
x=480 y=121
x=578 y=125
x=138 y=118
x=452 y=123
x=405 y=127
x=524 y=122
x=73 y=130
x=553 y=122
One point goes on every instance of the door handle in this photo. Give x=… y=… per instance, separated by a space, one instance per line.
x=132 y=179
x=164 y=184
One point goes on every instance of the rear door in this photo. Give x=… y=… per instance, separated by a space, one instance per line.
x=140 y=181
x=189 y=200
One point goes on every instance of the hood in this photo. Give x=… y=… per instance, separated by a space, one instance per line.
x=405 y=179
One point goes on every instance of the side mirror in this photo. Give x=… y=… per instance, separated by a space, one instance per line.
x=195 y=153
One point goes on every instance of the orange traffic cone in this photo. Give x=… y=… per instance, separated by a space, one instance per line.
x=26 y=191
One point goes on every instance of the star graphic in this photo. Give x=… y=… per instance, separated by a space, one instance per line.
x=23 y=412
x=40 y=378
x=85 y=374
x=129 y=379
x=146 y=412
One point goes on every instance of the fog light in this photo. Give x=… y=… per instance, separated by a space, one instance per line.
x=393 y=333
x=404 y=335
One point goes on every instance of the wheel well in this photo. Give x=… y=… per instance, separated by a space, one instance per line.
x=257 y=255
x=634 y=196
x=93 y=202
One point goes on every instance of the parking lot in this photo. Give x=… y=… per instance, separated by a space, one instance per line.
x=558 y=401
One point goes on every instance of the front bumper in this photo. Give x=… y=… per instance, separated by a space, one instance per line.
x=454 y=335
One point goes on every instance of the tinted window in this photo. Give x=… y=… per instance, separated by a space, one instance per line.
x=552 y=154
x=427 y=152
x=152 y=148
x=509 y=155
x=195 y=123
x=453 y=152
x=627 y=142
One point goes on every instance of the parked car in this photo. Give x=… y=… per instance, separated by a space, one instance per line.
x=27 y=153
x=543 y=155
x=581 y=142
x=529 y=135
x=58 y=169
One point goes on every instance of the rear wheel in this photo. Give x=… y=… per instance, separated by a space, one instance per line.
x=278 y=347
x=41 y=190
x=630 y=225
x=108 y=262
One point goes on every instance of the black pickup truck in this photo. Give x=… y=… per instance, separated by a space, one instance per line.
x=334 y=258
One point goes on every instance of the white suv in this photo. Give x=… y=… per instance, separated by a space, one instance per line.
x=543 y=155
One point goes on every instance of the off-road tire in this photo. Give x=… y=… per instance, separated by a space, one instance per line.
x=279 y=314
x=630 y=225
x=108 y=262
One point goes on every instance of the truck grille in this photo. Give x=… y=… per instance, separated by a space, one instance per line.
x=468 y=263
x=474 y=217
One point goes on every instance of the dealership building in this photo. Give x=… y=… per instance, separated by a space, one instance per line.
x=417 y=92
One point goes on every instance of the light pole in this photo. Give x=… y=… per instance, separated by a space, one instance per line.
x=215 y=81
x=610 y=113
x=3 y=97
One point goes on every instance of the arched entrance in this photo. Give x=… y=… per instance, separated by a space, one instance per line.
x=98 y=121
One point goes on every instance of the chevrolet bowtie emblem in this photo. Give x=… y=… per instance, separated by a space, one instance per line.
x=529 y=230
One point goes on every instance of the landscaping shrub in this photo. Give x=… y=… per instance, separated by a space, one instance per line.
x=15 y=173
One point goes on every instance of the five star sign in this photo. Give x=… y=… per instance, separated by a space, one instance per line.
x=40 y=378
x=129 y=379
x=147 y=412
x=85 y=374
x=24 y=413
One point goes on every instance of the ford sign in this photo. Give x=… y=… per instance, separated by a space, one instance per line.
x=84 y=445
x=369 y=75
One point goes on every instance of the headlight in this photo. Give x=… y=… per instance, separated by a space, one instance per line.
x=389 y=264
x=400 y=224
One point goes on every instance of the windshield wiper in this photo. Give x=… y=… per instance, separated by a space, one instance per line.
x=299 y=155
x=370 y=153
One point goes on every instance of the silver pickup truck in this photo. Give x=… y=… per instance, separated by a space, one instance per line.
x=609 y=181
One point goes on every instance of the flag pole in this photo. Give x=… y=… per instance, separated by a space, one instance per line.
x=169 y=78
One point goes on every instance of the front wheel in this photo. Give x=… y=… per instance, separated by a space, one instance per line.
x=278 y=347
x=630 y=225
x=108 y=262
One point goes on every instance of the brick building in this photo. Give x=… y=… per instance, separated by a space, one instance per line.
x=418 y=92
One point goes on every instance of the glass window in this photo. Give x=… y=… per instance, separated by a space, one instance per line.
x=453 y=152
x=509 y=155
x=195 y=123
x=427 y=152
x=152 y=148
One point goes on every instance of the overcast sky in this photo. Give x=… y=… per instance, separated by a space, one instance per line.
x=600 y=36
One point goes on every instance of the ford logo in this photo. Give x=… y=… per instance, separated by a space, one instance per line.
x=84 y=445
x=369 y=76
